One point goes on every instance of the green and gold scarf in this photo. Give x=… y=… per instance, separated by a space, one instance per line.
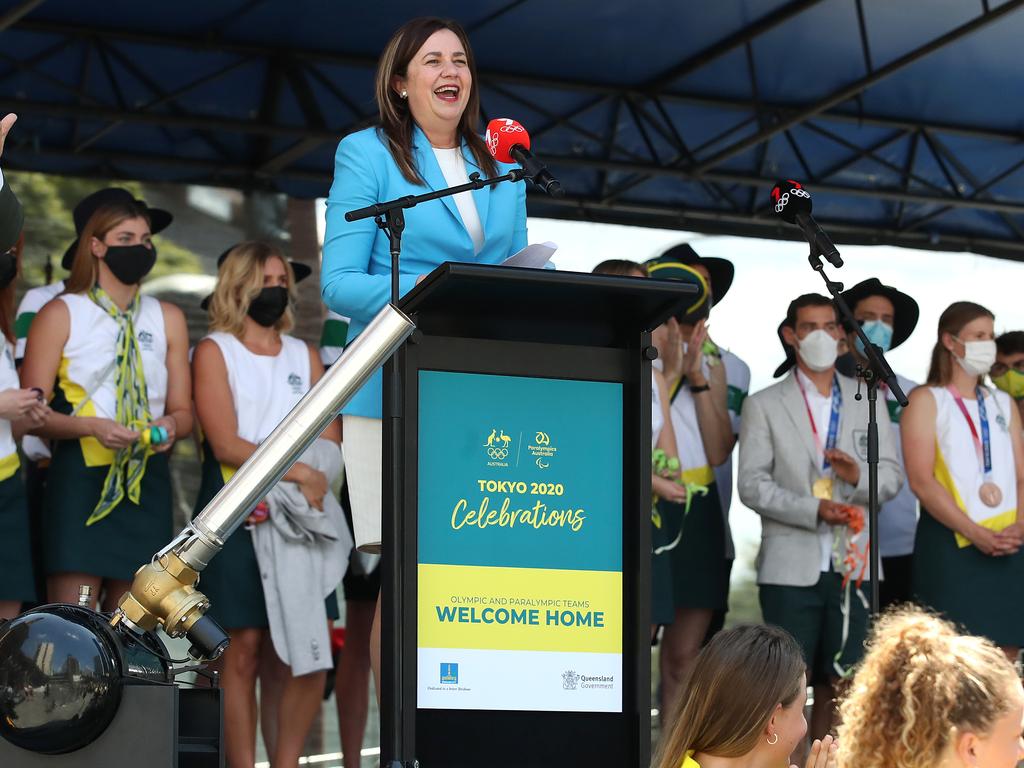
x=129 y=463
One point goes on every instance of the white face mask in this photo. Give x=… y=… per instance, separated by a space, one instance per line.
x=819 y=350
x=979 y=356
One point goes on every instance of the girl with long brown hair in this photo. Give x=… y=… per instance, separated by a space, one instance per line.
x=428 y=98
x=122 y=396
x=20 y=409
x=965 y=463
x=743 y=705
x=925 y=696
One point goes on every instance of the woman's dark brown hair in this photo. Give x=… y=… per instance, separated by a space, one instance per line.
x=952 y=321
x=396 y=123
x=7 y=293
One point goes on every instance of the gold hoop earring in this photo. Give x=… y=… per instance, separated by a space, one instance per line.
x=774 y=736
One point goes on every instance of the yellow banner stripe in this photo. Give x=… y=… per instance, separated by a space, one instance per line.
x=519 y=609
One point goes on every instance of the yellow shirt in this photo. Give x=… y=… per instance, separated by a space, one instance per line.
x=689 y=762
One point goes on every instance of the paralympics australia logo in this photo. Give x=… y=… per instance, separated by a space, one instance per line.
x=542 y=450
x=497 y=448
x=570 y=680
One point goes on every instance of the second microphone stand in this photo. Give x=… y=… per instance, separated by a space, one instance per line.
x=398 y=739
x=876 y=371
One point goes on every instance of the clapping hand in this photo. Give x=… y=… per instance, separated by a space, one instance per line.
x=5 y=127
x=824 y=754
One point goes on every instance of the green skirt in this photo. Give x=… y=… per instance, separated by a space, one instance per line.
x=19 y=579
x=123 y=541
x=232 y=580
x=699 y=568
x=663 y=610
x=967 y=586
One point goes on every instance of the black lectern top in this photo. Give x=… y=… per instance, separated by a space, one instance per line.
x=541 y=305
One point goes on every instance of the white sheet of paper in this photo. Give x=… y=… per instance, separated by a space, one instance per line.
x=533 y=256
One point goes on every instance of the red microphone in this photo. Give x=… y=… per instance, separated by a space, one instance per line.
x=508 y=142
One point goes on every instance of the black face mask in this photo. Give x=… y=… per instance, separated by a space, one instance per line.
x=8 y=268
x=268 y=306
x=130 y=263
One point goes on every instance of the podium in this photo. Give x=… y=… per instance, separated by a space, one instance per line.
x=516 y=516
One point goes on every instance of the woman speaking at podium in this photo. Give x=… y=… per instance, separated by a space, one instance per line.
x=429 y=103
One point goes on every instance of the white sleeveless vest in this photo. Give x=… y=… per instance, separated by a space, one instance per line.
x=957 y=467
x=263 y=388
x=89 y=352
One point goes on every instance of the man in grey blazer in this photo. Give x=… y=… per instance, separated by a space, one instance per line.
x=803 y=461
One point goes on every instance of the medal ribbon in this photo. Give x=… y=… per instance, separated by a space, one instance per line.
x=833 y=423
x=982 y=445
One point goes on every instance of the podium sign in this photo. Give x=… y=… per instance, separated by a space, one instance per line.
x=516 y=520
x=520 y=543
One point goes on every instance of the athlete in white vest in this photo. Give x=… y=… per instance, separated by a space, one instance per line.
x=964 y=455
x=19 y=409
x=122 y=396
x=248 y=374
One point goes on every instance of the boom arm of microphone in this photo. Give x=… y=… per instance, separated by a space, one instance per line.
x=536 y=171
x=821 y=244
x=164 y=592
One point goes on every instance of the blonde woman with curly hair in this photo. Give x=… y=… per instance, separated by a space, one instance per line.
x=743 y=705
x=927 y=697
x=248 y=373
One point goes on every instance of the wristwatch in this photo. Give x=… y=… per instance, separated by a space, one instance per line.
x=701 y=388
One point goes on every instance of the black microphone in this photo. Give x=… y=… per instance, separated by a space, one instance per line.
x=793 y=204
x=509 y=142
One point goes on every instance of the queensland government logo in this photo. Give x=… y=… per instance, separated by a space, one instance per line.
x=542 y=450
x=449 y=673
x=570 y=679
x=497 y=448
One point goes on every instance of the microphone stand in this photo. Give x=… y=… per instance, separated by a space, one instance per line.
x=877 y=370
x=398 y=741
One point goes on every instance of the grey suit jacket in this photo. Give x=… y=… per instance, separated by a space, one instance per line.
x=778 y=465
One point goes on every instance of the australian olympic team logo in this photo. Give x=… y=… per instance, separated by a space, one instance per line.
x=570 y=679
x=145 y=340
x=497 y=444
x=782 y=200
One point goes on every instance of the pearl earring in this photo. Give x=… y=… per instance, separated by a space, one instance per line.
x=404 y=94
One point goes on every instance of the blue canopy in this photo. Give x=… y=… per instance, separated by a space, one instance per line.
x=903 y=119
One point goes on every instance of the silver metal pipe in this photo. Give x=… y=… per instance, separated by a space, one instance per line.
x=296 y=432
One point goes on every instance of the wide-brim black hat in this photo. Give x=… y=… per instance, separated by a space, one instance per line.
x=300 y=270
x=905 y=314
x=790 y=360
x=721 y=271
x=159 y=219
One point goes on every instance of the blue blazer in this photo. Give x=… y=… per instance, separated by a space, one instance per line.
x=356 y=272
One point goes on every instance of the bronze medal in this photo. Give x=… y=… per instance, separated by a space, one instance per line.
x=990 y=494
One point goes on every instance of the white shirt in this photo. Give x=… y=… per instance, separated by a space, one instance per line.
x=453 y=167
x=821 y=408
x=897 y=518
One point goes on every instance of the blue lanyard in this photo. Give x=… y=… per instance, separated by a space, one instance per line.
x=986 y=441
x=833 y=422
